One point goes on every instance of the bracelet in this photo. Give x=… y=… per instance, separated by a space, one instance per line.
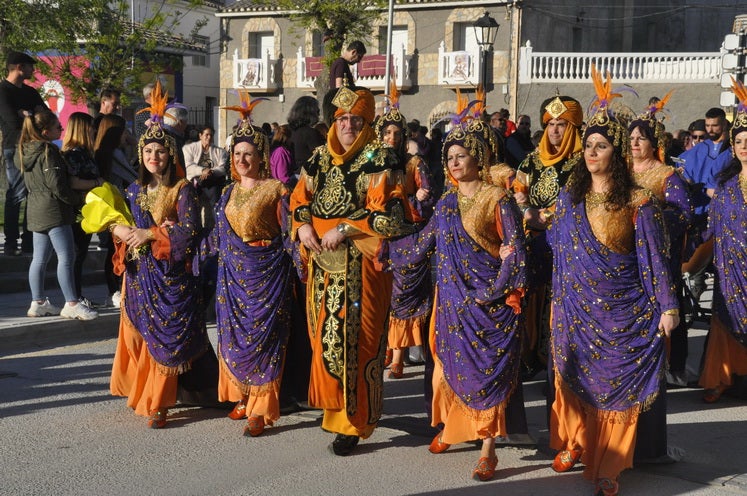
x=524 y=209
x=672 y=311
x=151 y=236
x=112 y=227
x=343 y=229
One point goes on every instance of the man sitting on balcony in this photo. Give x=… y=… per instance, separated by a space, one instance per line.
x=340 y=68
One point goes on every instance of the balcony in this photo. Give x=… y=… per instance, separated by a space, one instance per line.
x=258 y=75
x=458 y=69
x=369 y=72
x=671 y=67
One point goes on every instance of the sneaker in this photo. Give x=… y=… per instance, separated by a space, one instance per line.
x=42 y=309
x=81 y=311
x=116 y=299
x=88 y=302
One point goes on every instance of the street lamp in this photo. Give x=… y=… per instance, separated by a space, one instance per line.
x=486 y=29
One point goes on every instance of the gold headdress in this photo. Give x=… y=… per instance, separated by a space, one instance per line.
x=155 y=133
x=468 y=132
x=651 y=127
x=603 y=120
x=247 y=132
x=392 y=116
x=740 y=120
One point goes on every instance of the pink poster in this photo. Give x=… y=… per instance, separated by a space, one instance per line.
x=56 y=96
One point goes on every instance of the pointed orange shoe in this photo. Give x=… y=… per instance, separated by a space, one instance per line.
x=396 y=371
x=713 y=395
x=607 y=487
x=254 y=426
x=239 y=411
x=388 y=357
x=566 y=459
x=157 y=419
x=437 y=446
x=485 y=469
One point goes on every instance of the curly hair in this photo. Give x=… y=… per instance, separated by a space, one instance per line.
x=621 y=188
x=305 y=112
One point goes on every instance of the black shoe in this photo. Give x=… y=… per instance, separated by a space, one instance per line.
x=343 y=445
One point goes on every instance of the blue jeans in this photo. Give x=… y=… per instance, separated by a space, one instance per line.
x=14 y=196
x=59 y=239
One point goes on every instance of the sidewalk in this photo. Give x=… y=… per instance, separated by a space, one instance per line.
x=19 y=332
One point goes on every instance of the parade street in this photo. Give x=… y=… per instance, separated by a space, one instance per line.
x=63 y=433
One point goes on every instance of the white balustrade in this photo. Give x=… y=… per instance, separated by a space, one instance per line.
x=459 y=68
x=625 y=67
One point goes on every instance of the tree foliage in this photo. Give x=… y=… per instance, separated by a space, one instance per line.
x=94 y=44
x=345 y=20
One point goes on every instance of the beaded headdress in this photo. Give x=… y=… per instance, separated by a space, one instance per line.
x=392 y=116
x=156 y=132
x=740 y=119
x=651 y=127
x=603 y=120
x=494 y=145
x=468 y=132
x=245 y=130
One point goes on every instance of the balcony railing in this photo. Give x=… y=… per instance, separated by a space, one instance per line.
x=460 y=68
x=257 y=75
x=672 y=67
x=370 y=72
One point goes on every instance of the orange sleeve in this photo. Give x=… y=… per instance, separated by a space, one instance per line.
x=300 y=202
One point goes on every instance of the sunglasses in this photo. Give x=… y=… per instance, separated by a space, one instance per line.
x=699 y=137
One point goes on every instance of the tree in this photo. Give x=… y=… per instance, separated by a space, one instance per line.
x=341 y=20
x=95 y=43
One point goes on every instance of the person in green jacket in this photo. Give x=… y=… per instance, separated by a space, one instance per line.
x=50 y=214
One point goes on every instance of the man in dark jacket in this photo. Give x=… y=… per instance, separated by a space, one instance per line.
x=17 y=100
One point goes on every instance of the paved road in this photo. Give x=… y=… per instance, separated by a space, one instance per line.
x=62 y=433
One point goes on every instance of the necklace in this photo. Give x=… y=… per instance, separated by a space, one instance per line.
x=148 y=197
x=467 y=202
x=594 y=199
x=241 y=195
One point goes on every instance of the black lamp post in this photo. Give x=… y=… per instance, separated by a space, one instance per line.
x=486 y=29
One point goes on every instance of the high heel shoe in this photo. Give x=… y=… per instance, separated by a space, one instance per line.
x=566 y=459
x=485 y=469
x=396 y=371
x=388 y=357
x=239 y=411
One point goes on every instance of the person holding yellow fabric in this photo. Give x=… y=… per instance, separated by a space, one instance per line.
x=538 y=180
x=349 y=197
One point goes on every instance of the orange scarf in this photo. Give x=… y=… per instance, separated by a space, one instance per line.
x=339 y=155
x=571 y=144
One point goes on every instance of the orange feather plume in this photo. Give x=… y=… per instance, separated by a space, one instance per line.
x=159 y=103
x=247 y=105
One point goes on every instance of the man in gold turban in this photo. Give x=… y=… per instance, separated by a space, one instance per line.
x=348 y=199
x=539 y=178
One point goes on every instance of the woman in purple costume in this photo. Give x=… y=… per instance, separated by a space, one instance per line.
x=253 y=292
x=726 y=351
x=412 y=287
x=162 y=332
x=478 y=238
x=613 y=304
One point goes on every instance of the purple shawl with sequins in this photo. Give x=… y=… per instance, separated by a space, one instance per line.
x=252 y=303
x=477 y=344
x=728 y=225
x=163 y=298
x=606 y=308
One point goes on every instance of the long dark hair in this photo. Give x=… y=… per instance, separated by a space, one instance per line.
x=732 y=169
x=108 y=138
x=144 y=175
x=621 y=188
x=305 y=112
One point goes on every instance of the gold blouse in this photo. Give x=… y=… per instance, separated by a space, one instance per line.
x=654 y=179
x=481 y=217
x=253 y=213
x=615 y=229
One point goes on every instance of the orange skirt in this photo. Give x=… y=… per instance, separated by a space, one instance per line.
x=262 y=400
x=404 y=333
x=135 y=373
x=724 y=358
x=608 y=448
